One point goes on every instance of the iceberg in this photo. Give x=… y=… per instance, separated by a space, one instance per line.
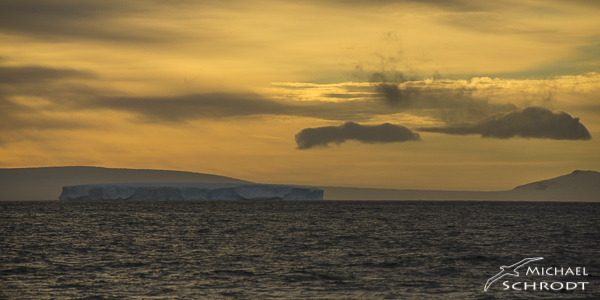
x=189 y=191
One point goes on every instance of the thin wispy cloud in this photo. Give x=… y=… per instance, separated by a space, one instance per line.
x=29 y=95
x=18 y=75
x=65 y=20
x=450 y=105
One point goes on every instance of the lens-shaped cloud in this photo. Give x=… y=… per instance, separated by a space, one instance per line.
x=383 y=133
x=531 y=122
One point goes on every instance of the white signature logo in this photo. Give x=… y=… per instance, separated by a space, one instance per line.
x=509 y=270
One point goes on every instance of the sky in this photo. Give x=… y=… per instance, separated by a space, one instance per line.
x=405 y=94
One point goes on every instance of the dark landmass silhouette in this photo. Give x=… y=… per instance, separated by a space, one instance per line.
x=46 y=184
x=584 y=185
x=576 y=186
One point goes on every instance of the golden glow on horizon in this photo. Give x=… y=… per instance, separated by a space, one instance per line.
x=122 y=86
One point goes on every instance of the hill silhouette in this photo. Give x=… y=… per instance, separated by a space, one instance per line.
x=584 y=185
x=46 y=183
x=576 y=186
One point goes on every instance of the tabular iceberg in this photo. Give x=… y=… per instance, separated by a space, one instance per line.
x=189 y=191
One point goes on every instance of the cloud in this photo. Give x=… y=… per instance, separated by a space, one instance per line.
x=36 y=74
x=452 y=5
x=194 y=106
x=62 y=90
x=109 y=20
x=384 y=133
x=41 y=81
x=68 y=90
x=37 y=82
x=18 y=121
x=449 y=105
x=452 y=101
x=55 y=18
x=448 y=101
x=531 y=122
x=396 y=97
x=226 y=105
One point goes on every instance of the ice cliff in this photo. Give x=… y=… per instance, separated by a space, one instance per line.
x=189 y=191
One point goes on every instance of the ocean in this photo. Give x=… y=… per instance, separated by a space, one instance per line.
x=297 y=250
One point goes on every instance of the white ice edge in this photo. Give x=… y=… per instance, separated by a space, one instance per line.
x=189 y=191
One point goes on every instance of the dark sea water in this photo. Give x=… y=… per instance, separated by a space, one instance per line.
x=291 y=250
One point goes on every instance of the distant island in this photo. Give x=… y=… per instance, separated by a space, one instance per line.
x=46 y=183
x=576 y=186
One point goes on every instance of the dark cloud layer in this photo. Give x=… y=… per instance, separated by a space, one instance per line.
x=37 y=82
x=195 y=106
x=323 y=136
x=44 y=82
x=531 y=122
x=396 y=97
x=449 y=105
x=452 y=5
x=64 y=90
x=225 y=105
x=107 y=20
x=74 y=19
x=55 y=18
x=36 y=74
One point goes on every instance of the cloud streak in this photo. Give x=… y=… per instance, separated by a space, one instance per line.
x=71 y=19
x=194 y=106
x=68 y=90
x=36 y=74
x=531 y=122
x=54 y=87
x=226 y=105
x=449 y=105
x=396 y=97
x=370 y=134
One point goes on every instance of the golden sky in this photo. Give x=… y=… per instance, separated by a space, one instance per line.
x=435 y=94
